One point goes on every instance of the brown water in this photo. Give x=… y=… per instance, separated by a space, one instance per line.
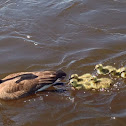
x=73 y=35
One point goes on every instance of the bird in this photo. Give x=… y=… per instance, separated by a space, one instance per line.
x=102 y=83
x=103 y=70
x=77 y=82
x=90 y=82
x=21 y=84
x=118 y=72
x=84 y=76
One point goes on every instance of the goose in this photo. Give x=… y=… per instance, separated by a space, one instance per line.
x=103 y=70
x=18 y=85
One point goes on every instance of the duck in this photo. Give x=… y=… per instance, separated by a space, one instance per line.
x=104 y=70
x=90 y=83
x=22 y=84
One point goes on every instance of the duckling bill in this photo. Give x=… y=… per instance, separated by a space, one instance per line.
x=18 y=85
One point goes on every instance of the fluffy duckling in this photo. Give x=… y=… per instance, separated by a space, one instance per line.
x=78 y=82
x=103 y=70
x=22 y=84
x=84 y=77
x=87 y=75
x=102 y=83
x=117 y=72
x=90 y=83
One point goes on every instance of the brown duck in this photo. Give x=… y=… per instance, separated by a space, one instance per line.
x=22 y=84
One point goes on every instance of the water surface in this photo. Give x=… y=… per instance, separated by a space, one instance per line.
x=73 y=35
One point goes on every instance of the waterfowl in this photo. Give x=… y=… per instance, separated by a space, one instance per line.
x=103 y=70
x=22 y=84
x=84 y=76
x=117 y=72
x=78 y=81
x=102 y=83
x=90 y=83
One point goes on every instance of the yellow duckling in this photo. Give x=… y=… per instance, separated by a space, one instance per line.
x=82 y=82
x=117 y=72
x=102 y=83
x=90 y=83
x=103 y=70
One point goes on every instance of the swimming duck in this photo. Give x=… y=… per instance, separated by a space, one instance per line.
x=22 y=84
x=90 y=83
x=103 y=70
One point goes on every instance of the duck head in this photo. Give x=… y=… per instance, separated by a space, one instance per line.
x=60 y=74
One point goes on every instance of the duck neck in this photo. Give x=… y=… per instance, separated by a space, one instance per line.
x=1 y=81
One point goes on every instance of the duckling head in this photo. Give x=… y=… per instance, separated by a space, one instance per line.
x=74 y=76
x=113 y=72
x=122 y=69
x=123 y=74
x=94 y=79
x=74 y=82
x=99 y=66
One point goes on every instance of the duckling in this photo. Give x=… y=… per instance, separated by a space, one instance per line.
x=102 y=83
x=83 y=77
x=103 y=70
x=18 y=85
x=117 y=72
x=98 y=83
x=79 y=84
x=87 y=75
x=91 y=83
x=74 y=76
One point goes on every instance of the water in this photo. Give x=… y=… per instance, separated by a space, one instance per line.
x=73 y=35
